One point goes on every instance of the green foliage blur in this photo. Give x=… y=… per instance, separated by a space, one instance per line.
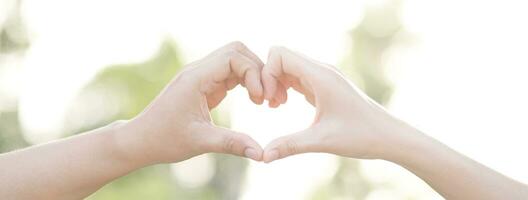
x=13 y=43
x=122 y=91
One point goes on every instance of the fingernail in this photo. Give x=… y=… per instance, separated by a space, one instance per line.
x=270 y=103
x=271 y=156
x=257 y=100
x=252 y=153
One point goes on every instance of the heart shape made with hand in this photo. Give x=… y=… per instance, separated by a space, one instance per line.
x=344 y=115
x=346 y=121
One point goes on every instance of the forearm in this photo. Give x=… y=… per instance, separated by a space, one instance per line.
x=450 y=173
x=70 y=168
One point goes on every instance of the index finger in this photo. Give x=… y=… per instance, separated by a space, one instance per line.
x=282 y=61
x=229 y=63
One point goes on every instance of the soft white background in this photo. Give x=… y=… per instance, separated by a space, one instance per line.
x=464 y=82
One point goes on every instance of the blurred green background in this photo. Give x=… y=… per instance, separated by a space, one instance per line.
x=132 y=86
x=454 y=68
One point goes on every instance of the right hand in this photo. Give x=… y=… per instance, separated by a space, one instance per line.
x=347 y=122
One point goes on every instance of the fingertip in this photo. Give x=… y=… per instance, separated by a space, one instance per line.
x=254 y=85
x=259 y=88
x=257 y=100
x=273 y=103
x=281 y=94
x=270 y=156
x=253 y=150
x=253 y=154
x=269 y=84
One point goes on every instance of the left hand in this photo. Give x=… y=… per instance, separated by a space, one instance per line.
x=177 y=124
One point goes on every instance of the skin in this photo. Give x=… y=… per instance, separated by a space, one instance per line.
x=174 y=127
x=348 y=123
x=177 y=126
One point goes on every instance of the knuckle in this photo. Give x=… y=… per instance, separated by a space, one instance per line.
x=249 y=67
x=231 y=53
x=228 y=144
x=291 y=147
x=270 y=72
x=237 y=45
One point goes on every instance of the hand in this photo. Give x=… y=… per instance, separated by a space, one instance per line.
x=177 y=124
x=347 y=122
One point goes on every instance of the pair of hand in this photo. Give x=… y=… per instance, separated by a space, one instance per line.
x=177 y=124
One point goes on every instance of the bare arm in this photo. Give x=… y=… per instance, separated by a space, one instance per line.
x=349 y=123
x=452 y=174
x=174 y=127
x=71 y=168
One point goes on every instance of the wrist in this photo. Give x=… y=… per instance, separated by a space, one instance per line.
x=130 y=144
x=407 y=143
x=394 y=138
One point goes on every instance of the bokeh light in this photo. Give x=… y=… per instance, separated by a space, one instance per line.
x=455 y=69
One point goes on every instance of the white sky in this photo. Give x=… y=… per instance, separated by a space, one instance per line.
x=463 y=83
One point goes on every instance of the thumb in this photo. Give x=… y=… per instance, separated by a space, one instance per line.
x=297 y=143
x=227 y=141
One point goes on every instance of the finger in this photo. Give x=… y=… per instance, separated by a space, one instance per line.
x=232 y=59
x=243 y=49
x=254 y=86
x=281 y=62
x=232 y=63
x=213 y=54
x=297 y=143
x=251 y=75
x=281 y=94
x=236 y=46
x=232 y=82
x=270 y=74
x=273 y=103
x=249 y=72
x=231 y=142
